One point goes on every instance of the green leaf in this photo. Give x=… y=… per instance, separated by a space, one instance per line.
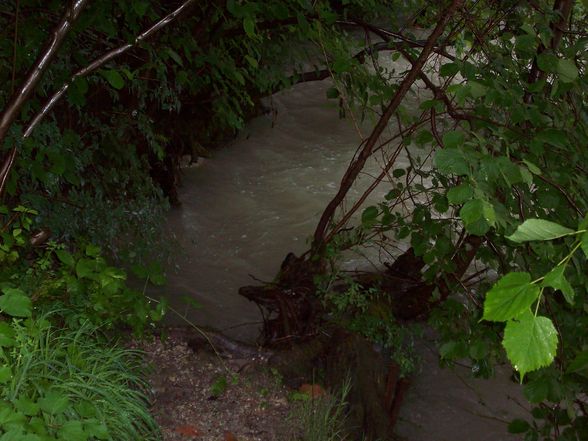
x=16 y=303
x=579 y=364
x=86 y=268
x=453 y=139
x=5 y=374
x=538 y=229
x=341 y=65
x=478 y=216
x=114 y=78
x=584 y=243
x=532 y=167
x=556 y=279
x=96 y=429
x=140 y=7
x=460 y=194
x=175 y=56
x=6 y=335
x=452 y=161
x=424 y=137
x=249 y=26
x=530 y=342
x=369 y=215
x=477 y=90
x=73 y=431
x=554 y=137
x=92 y=250
x=54 y=403
x=14 y=434
x=518 y=426
x=525 y=44
x=449 y=69
x=567 y=70
x=252 y=61
x=66 y=258
x=511 y=296
x=332 y=93
x=26 y=406
x=547 y=62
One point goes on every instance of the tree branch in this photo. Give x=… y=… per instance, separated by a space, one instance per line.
x=357 y=165
x=100 y=61
x=32 y=79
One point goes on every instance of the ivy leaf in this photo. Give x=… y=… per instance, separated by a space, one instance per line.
x=538 y=229
x=16 y=303
x=114 y=78
x=512 y=295
x=556 y=279
x=530 y=342
x=450 y=160
x=567 y=70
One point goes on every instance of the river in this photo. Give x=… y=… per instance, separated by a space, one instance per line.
x=259 y=198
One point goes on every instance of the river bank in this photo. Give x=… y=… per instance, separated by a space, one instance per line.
x=198 y=395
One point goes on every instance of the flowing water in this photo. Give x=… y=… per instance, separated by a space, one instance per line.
x=258 y=199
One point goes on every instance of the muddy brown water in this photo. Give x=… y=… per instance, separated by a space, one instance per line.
x=258 y=199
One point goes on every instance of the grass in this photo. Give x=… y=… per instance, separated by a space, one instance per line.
x=73 y=384
x=322 y=418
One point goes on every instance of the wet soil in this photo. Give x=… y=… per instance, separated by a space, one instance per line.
x=198 y=395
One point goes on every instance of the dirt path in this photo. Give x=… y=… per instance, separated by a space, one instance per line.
x=199 y=396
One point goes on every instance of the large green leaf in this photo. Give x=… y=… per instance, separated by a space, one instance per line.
x=511 y=296
x=16 y=303
x=556 y=279
x=538 y=229
x=530 y=342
